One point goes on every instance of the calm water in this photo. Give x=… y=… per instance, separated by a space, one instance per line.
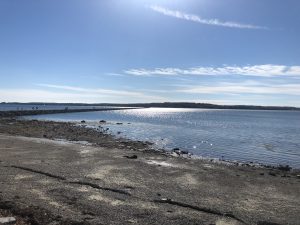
x=269 y=137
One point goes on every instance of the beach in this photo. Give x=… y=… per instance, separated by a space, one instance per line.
x=59 y=173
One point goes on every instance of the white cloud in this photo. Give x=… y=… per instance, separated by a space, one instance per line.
x=93 y=91
x=198 y=19
x=293 y=70
x=267 y=70
x=133 y=96
x=71 y=94
x=36 y=95
x=242 y=88
x=248 y=92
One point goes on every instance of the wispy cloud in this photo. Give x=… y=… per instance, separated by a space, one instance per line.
x=68 y=94
x=37 y=95
x=115 y=74
x=241 y=88
x=198 y=19
x=91 y=90
x=267 y=70
x=246 y=92
x=104 y=94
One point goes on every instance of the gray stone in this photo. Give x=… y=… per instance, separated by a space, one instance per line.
x=7 y=220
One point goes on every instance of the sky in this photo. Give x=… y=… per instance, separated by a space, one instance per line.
x=133 y=51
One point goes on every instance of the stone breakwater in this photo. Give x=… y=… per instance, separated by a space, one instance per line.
x=17 y=113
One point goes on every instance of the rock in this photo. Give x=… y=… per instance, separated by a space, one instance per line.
x=180 y=152
x=7 y=220
x=82 y=121
x=174 y=154
x=272 y=174
x=284 y=168
x=102 y=121
x=119 y=132
x=184 y=152
x=119 y=123
x=176 y=150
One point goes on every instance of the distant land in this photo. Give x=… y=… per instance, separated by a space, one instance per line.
x=167 y=105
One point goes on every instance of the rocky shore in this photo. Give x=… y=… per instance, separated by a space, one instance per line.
x=58 y=173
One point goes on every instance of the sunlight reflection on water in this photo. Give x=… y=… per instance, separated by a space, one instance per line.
x=271 y=137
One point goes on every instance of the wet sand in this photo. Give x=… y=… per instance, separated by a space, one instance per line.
x=95 y=178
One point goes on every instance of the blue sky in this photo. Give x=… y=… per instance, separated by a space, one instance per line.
x=94 y=51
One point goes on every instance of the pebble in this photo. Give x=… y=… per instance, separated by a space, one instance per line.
x=7 y=220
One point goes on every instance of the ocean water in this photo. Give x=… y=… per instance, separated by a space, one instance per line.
x=267 y=137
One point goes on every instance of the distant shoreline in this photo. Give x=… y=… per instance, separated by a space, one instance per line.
x=165 y=105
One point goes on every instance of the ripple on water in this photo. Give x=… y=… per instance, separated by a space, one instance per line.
x=269 y=137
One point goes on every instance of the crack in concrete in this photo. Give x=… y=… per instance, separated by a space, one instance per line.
x=39 y=172
x=197 y=208
x=96 y=186
x=100 y=188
